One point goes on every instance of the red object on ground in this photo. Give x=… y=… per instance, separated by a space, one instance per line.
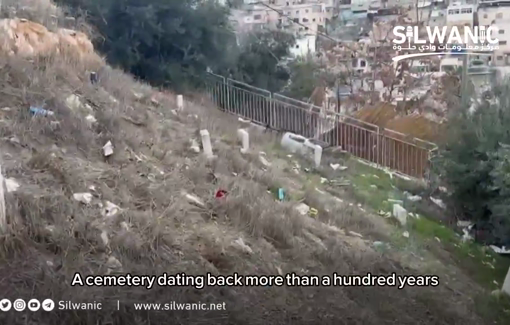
x=221 y=193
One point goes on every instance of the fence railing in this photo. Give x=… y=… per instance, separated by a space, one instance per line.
x=387 y=148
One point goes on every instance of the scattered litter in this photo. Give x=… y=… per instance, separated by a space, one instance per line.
x=73 y=102
x=412 y=198
x=245 y=248
x=104 y=238
x=110 y=210
x=466 y=235
x=124 y=225
x=90 y=118
x=379 y=244
x=194 y=199
x=464 y=223
x=349 y=232
x=307 y=170
x=14 y=140
x=338 y=166
x=113 y=264
x=375 y=176
x=37 y=111
x=359 y=205
x=324 y=180
x=363 y=175
x=488 y=264
x=93 y=78
x=303 y=209
x=243 y=120
x=281 y=194
x=373 y=186
x=174 y=112
x=339 y=200
x=234 y=174
x=220 y=194
x=6 y=109
x=321 y=192
x=289 y=156
x=108 y=149
x=195 y=146
x=264 y=161
x=438 y=240
x=443 y=189
x=11 y=184
x=313 y=212
x=400 y=202
x=340 y=182
x=405 y=234
x=85 y=198
x=439 y=203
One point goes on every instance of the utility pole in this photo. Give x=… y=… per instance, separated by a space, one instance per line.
x=464 y=83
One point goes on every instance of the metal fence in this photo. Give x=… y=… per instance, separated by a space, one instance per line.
x=387 y=148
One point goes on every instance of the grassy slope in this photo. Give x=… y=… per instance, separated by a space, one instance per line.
x=53 y=236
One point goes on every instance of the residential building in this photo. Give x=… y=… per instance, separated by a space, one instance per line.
x=501 y=56
x=437 y=17
x=400 y=3
x=304 y=46
x=459 y=14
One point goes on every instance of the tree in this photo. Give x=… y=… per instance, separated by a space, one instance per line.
x=261 y=60
x=474 y=162
x=166 y=42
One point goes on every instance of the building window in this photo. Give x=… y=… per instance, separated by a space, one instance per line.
x=313 y=19
x=296 y=20
x=305 y=20
x=485 y=16
x=363 y=64
x=499 y=58
x=501 y=31
x=297 y=11
x=306 y=10
x=257 y=17
x=499 y=15
x=502 y=42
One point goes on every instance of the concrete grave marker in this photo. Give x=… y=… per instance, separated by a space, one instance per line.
x=317 y=155
x=206 y=143
x=400 y=214
x=180 y=102
x=506 y=284
x=245 y=140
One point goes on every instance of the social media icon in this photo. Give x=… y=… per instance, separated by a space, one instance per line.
x=34 y=305
x=5 y=305
x=48 y=305
x=19 y=305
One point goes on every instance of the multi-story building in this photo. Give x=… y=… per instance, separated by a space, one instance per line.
x=497 y=13
x=297 y=16
x=460 y=14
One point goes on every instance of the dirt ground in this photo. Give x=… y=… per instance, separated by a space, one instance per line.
x=156 y=229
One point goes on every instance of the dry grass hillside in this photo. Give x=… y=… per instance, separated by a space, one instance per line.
x=139 y=221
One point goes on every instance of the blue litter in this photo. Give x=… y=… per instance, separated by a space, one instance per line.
x=37 y=111
x=281 y=194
